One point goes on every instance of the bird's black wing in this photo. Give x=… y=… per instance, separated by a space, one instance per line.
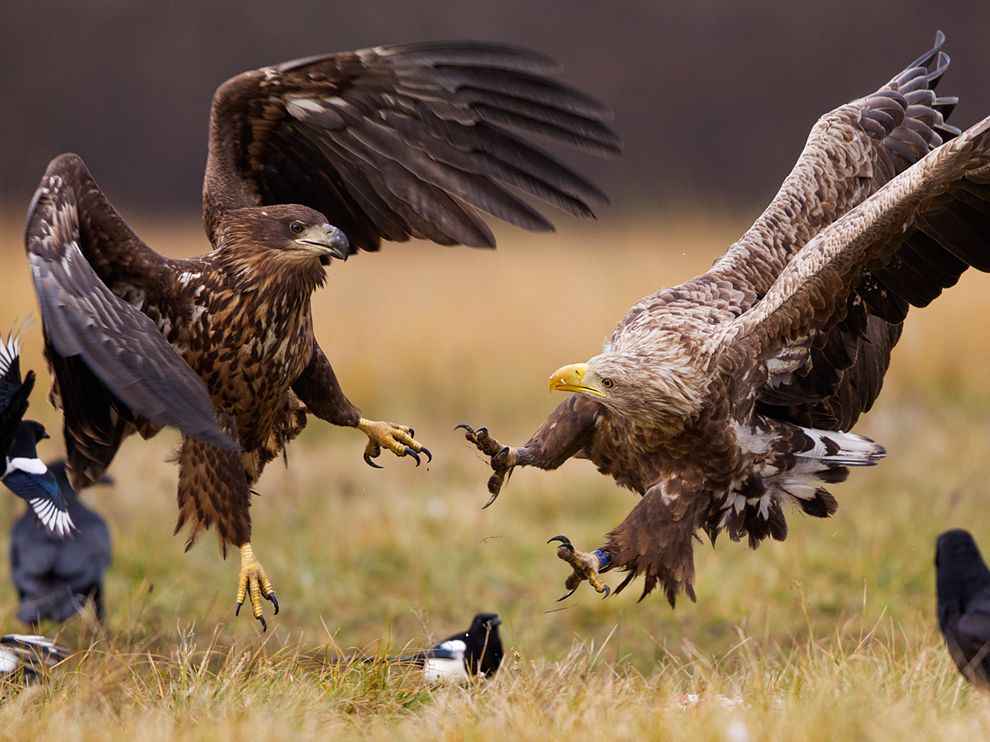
x=41 y=492
x=113 y=367
x=972 y=636
x=14 y=392
x=404 y=141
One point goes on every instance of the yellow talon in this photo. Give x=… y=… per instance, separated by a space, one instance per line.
x=253 y=582
x=585 y=566
x=396 y=438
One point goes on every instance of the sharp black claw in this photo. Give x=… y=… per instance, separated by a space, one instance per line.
x=274 y=601
x=264 y=624
x=429 y=456
x=565 y=597
x=491 y=499
x=483 y=430
x=465 y=427
x=608 y=591
x=368 y=460
x=412 y=432
x=415 y=456
x=564 y=541
x=237 y=609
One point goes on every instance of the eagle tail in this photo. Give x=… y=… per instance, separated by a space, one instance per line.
x=822 y=457
x=832 y=447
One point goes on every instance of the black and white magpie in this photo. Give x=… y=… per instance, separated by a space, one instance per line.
x=963 y=590
x=28 y=654
x=55 y=577
x=478 y=650
x=28 y=477
x=25 y=474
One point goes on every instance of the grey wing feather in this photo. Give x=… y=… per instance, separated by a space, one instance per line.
x=83 y=318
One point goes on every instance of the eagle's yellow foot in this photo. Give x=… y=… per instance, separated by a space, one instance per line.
x=396 y=438
x=586 y=566
x=503 y=458
x=254 y=583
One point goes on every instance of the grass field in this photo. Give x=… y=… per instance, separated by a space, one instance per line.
x=827 y=636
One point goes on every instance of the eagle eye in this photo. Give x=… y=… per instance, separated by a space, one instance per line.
x=297 y=227
x=607 y=383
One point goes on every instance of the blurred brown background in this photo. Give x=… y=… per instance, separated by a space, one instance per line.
x=714 y=99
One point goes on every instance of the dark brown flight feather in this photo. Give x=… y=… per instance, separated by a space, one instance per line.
x=404 y=141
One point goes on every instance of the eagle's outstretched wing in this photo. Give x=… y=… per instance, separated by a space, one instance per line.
x=941 y=203
x=112 y=365
x=403 y=141
x=851 y=153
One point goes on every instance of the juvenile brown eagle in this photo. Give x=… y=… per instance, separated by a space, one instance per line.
x=726 y=397
x=384 y=144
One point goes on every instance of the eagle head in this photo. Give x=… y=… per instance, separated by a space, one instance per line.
x=654 y=395
x=288 y=233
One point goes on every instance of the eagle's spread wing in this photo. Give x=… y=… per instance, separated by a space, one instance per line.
x=403 y=141
x=851 y=152
x=941 y=204
x=112 y=365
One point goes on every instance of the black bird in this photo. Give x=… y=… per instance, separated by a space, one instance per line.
x=55 y=577
x=28 y=654
x=24 y=473
x=464 y=654
x=963 y=587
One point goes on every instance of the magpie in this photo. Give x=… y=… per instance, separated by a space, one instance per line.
x=55 y=577
x=963 y=589
x=478 y=650
x=25 y=474
x=28 y=655
x=28 y=477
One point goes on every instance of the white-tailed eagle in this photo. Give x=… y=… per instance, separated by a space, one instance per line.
x=723 y=399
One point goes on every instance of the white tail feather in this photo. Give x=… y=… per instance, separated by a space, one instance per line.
x=847 y=449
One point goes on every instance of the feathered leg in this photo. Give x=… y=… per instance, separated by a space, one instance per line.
x=564 y=434
x=213 y=488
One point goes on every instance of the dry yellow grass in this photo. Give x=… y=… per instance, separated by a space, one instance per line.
x=830 y=635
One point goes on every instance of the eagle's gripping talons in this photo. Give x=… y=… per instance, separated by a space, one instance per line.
x=585 y=565
x=253 y=583
x=503 y=458
x=396 y=438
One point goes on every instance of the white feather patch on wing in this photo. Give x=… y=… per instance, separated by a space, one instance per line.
x=28 y=466
x=8 y=661
x=442 y=670
x=447 y=669
x=57 y=521
x=10 y=349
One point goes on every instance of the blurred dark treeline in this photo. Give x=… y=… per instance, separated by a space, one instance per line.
x=713 y=99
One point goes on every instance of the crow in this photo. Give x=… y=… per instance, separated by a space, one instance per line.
x=963 y=589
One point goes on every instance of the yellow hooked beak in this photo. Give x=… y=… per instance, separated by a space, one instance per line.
x=571 y=379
